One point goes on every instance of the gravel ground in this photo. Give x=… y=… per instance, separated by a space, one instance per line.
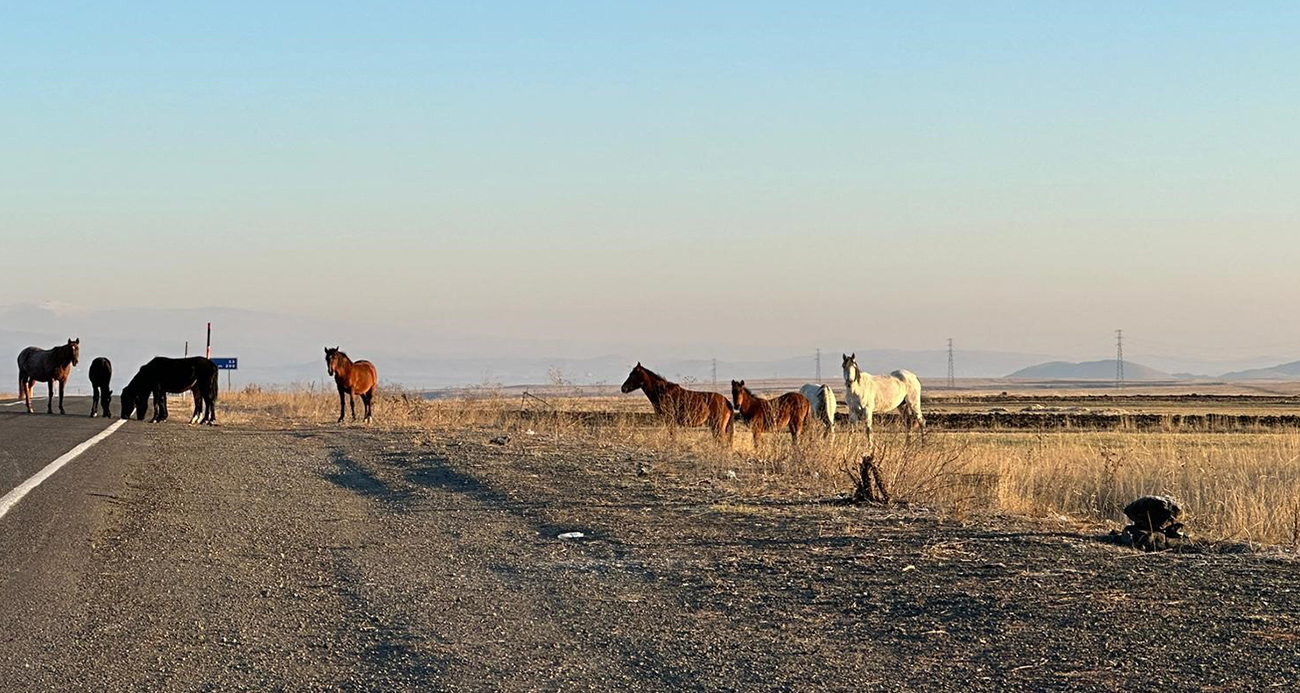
x=360 y=559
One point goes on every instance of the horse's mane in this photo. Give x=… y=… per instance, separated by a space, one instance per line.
x=660 y=383
x=759 y=402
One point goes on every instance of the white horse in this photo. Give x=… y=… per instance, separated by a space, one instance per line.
x=878 y=394
x=822 y=399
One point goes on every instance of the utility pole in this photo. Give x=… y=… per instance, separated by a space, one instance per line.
x=819 y=367
x=715 y=375
x=952 y=381
x=1119 y=358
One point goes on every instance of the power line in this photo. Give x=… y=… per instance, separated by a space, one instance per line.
x=952 y=380
x=1119 y=358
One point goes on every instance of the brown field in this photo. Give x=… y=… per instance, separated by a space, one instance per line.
x=1238 y=484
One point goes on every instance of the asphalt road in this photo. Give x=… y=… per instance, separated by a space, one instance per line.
x=30 y=441
x=179 y=558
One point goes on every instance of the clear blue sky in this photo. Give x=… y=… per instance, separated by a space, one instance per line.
x=1017 y=175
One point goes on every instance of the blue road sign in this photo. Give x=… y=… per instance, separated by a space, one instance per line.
x=227 y=364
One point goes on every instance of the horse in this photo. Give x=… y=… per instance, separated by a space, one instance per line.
x=353 y=379
x=162 y=375
x=879 y=394
x=101 y=372
x=822 y=400
x=682 y=407
x=791 y=410
x=37 y=365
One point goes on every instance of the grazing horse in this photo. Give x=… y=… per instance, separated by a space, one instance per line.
x=822 y=400
x=791 y=410
x=101 y=372
x=46 y=366
x=163 y=375
x=353 y=379
x=879 y=394
x=680 y=406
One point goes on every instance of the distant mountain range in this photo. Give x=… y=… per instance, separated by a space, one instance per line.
x=1285 y=371
x=1088 y=370
x=275 y=349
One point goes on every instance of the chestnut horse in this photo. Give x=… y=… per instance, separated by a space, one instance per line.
x=353 y=379
x=791 y=410
x=680 y=406
x=37 y=365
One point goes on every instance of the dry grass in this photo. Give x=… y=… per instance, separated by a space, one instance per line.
x=1241 y=486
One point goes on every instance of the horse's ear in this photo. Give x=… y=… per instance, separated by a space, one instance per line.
x=638 y=364
x=854 y=356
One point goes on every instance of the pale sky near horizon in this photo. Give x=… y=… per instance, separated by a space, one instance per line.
x=1016 y=175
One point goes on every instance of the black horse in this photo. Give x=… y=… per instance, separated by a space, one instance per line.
x=163 y=375
x=101 y=372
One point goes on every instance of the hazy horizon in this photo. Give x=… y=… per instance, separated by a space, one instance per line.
x=704 y=178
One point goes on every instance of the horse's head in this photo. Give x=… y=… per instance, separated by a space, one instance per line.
x=76 y=350
x=636 y=379
x=850 y=366
x=737 y=391
x=134 y=401
x=331 y=356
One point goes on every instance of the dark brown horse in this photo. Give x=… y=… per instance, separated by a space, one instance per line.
x=162 y=375
x=680 y=406
x=37 y=365
x=101 y=373
x=762 y=415
x=353 y=379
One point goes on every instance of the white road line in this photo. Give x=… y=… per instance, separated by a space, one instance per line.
x=10 y=499
x=14 y=404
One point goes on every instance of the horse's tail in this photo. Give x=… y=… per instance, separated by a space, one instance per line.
x=828 y=406
x=913 y=395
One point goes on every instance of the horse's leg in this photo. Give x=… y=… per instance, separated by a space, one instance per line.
x=198 y=406
x=352 y=400
x=49 y=399
x=343 y=407
x=365 y=401
x=94 y=400
x=62 y=383
x=210 y=416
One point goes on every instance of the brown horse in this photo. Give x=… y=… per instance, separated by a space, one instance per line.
x=680 y=406
x=791 y=409
x=353 y=379
x=46 y=366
